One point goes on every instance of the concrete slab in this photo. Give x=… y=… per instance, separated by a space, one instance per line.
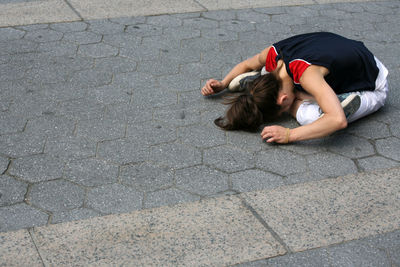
x=96 y=9
x=13 y=14
x=331 y=211
x=239 y=4
x=17 y=249
x=215 y=232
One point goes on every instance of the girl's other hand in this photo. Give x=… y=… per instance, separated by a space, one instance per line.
x=212 y=87
x=277 y=134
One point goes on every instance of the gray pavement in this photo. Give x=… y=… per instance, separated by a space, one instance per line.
x=105 y=116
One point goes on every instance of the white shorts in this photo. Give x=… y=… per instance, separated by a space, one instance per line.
x=371 y=101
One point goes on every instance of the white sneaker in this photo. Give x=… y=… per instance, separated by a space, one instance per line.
x=240 y=82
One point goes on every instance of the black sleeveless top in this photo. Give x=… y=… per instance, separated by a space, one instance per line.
x=351 y=65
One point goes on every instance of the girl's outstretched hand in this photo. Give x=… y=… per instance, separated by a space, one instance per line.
x=277 y=134
x=212 y=87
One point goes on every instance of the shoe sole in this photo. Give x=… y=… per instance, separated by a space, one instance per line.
x=234 y=85
x=351 y=104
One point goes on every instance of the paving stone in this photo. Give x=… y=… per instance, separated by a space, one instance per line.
x=37 y=168
x=73 y=215
x=252 y=16
x=280 y=161
x=51 y=73
x=50 y=126
x=199 y=44
x=10 y=123
x=60 y=48
x=129 y=20
x=122 y=40
x=178 y=83
x=137 y=81
x=33 y=27
x=17 y=46
x=220 y=15
x=98 y=50
x=369 y=129
x=20 y=216
x=11 y=72
x=130 y=114
x=144 y=30
x=76 y=26
x=82 y=37
x=375 y=163
x=202 y=180
x=177 y=116
x=252 y=180
x=123 y=151
x=33 y=104
x=326 y=164
x=44 y=35
x=105 y=27
x=186 y=54
x=82 y=109
x=183 y=32
x=389 y=147
x=70 y=148
x=350 y=146
x=198 y=70
x=110 y=94
x=146 y=176
x=7 y=34
x=219 y=59
x=245 y=140
x=238 y=25
x=170 y=196
x=358 y=253
x=384 y=240
x=57 y=195
x=394 y=255
x=12 y=191
x=153 y=98
x=228 y=159
x=307 y=147
x=175 y=155
x=91 y=78
x=101 y=129
x=4 y=162
x=21 y=144
x=151 y=133
x=115 y=65
x=310 y=258
x=219 y=34
x=114 y=198
x=164 y=67
x=164 y=21
x=91 y=172
x=200 y=23
x=201 y=136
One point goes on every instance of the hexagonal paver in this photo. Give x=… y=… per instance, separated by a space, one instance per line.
x=228 y=159
x=11 y=190
x=151 y=133
x=280 y=161
x=376 y=162
x=7 y=34
x=70 y=147
x=146 y=176
x=57 y=195
x=202 y=180
x=177 y=116
x=105 y=27
x=251 y=180
x=245 y=140
x=144 y=30
x=123 y=151
x=73 y=215
x=91 y=172
x=21 y=216
x=50 y=126
x=369 y=129
x=82 y=37
x=98 y=50
x=330 y=165
x=76 y=26
x=43 y=35
x=170 y=196
x=201 y=136
x=350 y=146
x=37 y=168
x=389 y=147
x=115 y=198
x=21 y=144
x=175 y=155
x=101 y=129
x=4 y=162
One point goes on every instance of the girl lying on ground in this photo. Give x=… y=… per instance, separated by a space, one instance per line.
x=322 y=79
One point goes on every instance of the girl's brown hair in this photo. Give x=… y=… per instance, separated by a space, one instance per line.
x=252 y=107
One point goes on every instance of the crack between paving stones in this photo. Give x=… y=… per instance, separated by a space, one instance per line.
x=74 y=10
x=264 y=223
x=36 y=247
